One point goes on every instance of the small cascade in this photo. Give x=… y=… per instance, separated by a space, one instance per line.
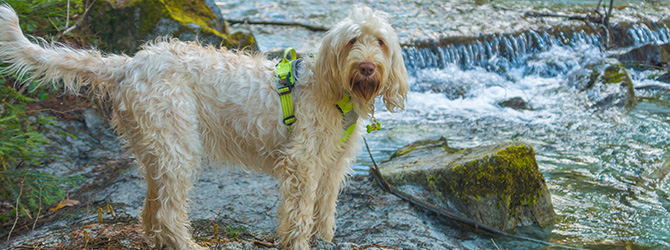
x=487 y=50
x=641 y=33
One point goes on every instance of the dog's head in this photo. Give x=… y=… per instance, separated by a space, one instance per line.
x=361 y=55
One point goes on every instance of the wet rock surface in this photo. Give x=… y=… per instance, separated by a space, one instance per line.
x=517 y=103
x=367 y=217
x=651 y=54
x=498 y=185
x=606 y=84
x=664 y=78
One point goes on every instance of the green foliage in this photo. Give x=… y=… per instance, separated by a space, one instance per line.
x=46 y=17
x=33 y=189
x=19 y=136
x=20 y=140
x=234 y=232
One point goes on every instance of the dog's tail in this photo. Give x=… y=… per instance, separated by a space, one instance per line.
x=49 y=63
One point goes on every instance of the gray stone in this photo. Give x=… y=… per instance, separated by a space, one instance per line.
x=650 y=54
x=606 y=84
x=515 y=103
x=664 y=78
x=499 y=185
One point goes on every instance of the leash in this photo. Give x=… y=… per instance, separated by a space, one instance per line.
x=387 y=187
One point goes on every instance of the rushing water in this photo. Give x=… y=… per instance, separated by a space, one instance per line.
x=607 y=170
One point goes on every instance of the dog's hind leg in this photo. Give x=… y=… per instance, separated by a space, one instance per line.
x=160 y=125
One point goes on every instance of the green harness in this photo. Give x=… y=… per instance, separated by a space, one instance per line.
x=287 y=81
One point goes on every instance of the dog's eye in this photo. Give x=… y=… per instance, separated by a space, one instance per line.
x=381 y=42
x=352 y=41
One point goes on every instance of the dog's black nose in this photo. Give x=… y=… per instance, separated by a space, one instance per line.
x=366 y=68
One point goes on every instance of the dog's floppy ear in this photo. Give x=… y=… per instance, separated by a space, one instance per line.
x=326 y=69
x=395 y=90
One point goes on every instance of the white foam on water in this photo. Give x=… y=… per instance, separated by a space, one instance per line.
x=479 y=91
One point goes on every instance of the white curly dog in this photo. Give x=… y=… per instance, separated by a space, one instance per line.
x=175 y=102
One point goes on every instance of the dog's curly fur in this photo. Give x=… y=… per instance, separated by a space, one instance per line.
x=175 y=102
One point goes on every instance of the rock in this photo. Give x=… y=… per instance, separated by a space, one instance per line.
x=122 y=26
x=605 y=83
x=616 y=74
x=583 y=79
x=647 y=55
x=515 y=103
x=451 y=88
x=499 y=185
x=664 y=78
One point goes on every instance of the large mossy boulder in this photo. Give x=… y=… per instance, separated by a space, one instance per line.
x=500 y=185
x=121 y=26
x=606 y=84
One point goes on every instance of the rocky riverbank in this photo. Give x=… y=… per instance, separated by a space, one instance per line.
x=231 y=209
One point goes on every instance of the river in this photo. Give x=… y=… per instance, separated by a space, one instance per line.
x=607 y=169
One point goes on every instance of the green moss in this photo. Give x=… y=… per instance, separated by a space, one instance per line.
x=123 y=26
x=614 y=73
x=189 y=11
x=617 y=73
x=432 y=180
x=181 y=11
x=511 y=175
x=151 y=13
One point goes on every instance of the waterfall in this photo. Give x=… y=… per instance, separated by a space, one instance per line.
x=513 y=48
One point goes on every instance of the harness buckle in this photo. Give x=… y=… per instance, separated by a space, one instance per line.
x=288 y=121
x=286 y=89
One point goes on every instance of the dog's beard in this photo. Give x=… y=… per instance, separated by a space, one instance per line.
x=364 y=87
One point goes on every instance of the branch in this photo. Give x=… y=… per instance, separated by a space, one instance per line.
x=586 y=18
x=387 y=187
x=77 y=22
x=18 y=203
x=281 y=23
x=606 y=20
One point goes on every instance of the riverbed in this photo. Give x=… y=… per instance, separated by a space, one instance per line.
x=606 y=169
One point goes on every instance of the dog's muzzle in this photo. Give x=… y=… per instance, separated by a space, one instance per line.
x=365 y=82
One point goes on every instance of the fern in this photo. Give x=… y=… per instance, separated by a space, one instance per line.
x=20 y=141
x=19 y=138
x=38 y=190
x=45 y=18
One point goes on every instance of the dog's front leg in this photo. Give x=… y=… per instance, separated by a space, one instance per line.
x=329 y=185
x=297 y=188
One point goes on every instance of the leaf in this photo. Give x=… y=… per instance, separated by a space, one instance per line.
x=26 y=213
x=43 y=96
x=64 y=203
